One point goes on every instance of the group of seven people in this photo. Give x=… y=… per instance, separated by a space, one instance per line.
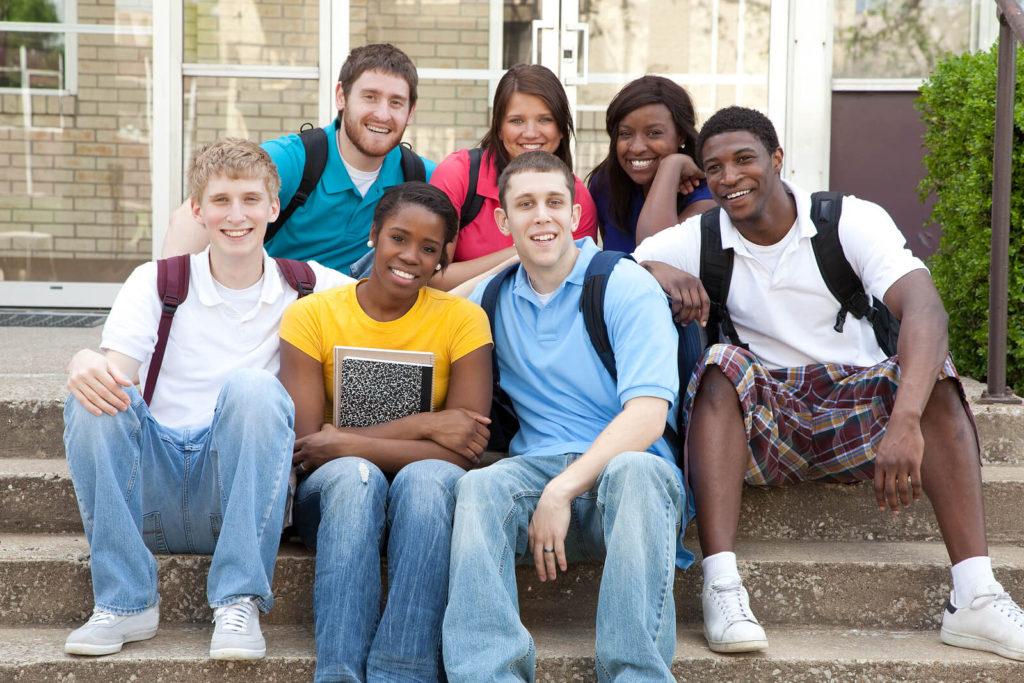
x=236 y=439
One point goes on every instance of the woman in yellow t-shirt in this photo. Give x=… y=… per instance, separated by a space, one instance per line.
x=395 y=481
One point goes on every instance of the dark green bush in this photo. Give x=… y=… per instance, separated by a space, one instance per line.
x=957 y=104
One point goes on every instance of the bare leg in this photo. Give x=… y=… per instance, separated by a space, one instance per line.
x=951 y=473
x=718 y=455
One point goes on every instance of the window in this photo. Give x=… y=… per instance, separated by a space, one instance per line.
x=38 y=51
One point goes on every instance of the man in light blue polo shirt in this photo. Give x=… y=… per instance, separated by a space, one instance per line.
x=375 y=96
x=589 y=448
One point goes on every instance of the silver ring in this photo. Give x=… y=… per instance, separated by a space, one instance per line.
x=301 y=467
x=548 y=550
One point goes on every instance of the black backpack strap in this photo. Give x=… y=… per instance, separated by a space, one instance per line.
x=595 y=284
x=298 y=274
x=473 y=202
x=716 y=276
x=846 y=287
x=172 y=288
x=840 y=278
x=314 y=142
x=413 y=167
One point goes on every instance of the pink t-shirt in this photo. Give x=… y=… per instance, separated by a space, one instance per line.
x=482 y=237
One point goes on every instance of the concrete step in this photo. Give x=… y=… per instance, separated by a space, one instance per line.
x=44 y=579
x=798 y=655
x=36 y=495
x=32 y=418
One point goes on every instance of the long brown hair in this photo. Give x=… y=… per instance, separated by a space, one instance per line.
x=635 y=94
x=539 y=81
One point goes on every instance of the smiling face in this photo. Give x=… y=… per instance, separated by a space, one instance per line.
x=409 y=243
x=742 y=175
x=235 y=213
x=374 y=114
x=540 y=217
x=643 y=137
x=528 y=126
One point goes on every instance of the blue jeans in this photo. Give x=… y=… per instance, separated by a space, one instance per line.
x=630 y=518
x=143 y=488
x=344 y=510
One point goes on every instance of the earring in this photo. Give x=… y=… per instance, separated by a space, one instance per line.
x=369 y=243
x=437 y=267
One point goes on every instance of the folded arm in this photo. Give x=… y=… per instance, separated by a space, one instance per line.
x=457 y=434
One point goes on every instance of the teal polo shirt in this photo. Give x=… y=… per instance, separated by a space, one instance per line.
x=332 y=227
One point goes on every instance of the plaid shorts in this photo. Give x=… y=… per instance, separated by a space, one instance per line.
x=816 y=422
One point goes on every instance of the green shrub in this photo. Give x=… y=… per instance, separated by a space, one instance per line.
x=957 y=104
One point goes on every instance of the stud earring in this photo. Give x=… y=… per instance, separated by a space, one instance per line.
x=437 y=267
x=369 y=243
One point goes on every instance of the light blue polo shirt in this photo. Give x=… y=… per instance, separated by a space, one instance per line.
x=562 y=393
x=332 y=227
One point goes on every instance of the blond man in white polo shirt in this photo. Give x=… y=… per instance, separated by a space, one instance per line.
x=803 y=393
x=204 y=467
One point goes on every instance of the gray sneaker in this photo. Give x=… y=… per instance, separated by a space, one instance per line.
x=106 y=633
x=236 y=634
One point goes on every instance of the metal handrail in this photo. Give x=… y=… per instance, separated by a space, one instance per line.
x=1011 y=30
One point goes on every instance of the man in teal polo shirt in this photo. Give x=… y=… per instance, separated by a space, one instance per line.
x=375 y=96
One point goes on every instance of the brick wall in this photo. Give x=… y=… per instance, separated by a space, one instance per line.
x=87 y=154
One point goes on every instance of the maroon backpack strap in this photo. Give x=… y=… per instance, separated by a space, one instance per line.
x=172 y=286
x=298 y=274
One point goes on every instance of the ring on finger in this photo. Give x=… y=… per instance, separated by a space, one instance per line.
x=548 y=550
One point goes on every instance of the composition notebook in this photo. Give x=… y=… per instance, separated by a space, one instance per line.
x=379 y=385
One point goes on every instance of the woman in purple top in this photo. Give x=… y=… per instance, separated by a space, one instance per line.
x=649 y=180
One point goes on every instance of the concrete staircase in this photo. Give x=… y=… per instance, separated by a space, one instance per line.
x=845 y=592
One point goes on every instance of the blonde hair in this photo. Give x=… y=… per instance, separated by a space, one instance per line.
x=234 y=158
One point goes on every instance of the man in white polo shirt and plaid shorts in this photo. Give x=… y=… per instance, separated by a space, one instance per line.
x=809 y=395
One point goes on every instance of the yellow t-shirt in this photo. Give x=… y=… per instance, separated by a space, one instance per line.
x=447 y=325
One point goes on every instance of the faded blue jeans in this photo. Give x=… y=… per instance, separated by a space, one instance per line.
x=630 y=519
x=143 y=488
x=345 y=510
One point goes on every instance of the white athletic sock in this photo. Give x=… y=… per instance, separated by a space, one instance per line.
x=719 y=565
x=969 y=574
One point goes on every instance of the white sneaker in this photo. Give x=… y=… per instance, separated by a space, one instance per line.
x=236 y=634
x=729 y=625
x=992 y=622
x=106 y=633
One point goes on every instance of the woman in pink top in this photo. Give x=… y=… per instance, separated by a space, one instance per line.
x=531 y=112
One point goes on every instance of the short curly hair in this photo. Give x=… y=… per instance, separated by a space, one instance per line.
x=738 y=119
x=235 y=158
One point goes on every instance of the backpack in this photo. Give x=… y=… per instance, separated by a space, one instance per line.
x=473 y=202
x=505 y=424
x=315 y=143
x=172 y=286
x=841 y=280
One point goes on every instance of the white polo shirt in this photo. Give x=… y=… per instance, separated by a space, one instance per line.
x=209 y=339
x=787 y=314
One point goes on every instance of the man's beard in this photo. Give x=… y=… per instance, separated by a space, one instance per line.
x=354 y=131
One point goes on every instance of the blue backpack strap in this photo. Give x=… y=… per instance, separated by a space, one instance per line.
x=595 y=283
x=489 y=302
x=504 y=423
